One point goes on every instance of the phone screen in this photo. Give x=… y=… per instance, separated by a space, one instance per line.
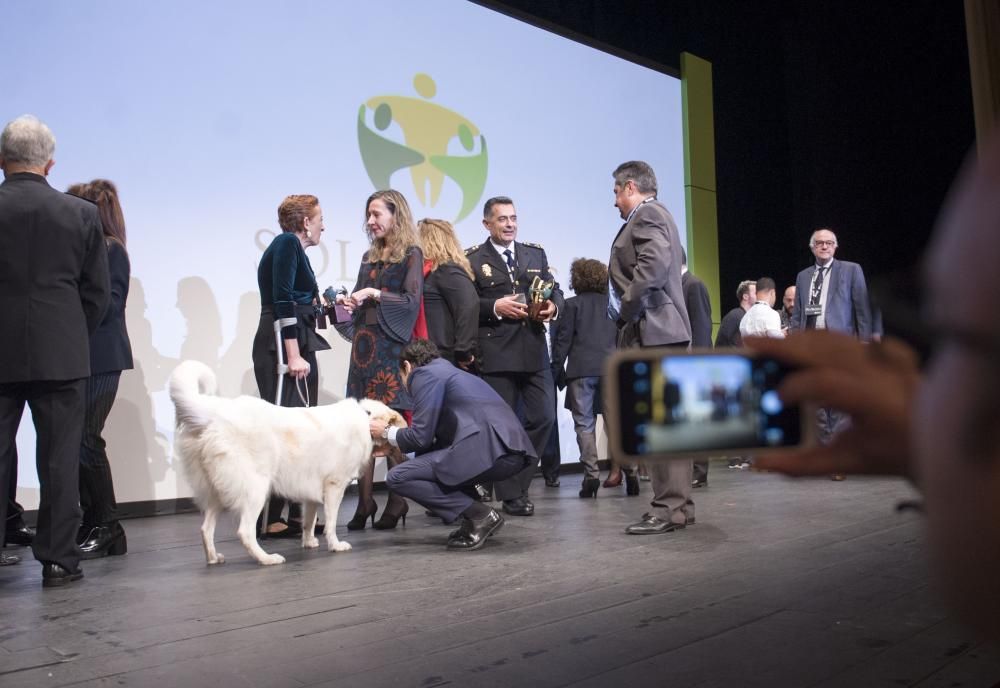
x=703 y=402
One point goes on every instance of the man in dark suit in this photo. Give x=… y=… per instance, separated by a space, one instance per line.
x=513 y=355
x=646 y=300
x=787 y=309
x=699 y=309
x=699 y=306
x=54 y=289
x=832 y=295
x=463 y=434
x=729 y=328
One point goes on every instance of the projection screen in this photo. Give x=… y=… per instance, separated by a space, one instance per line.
x=207 y=114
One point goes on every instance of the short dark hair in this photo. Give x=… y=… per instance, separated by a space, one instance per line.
x=684 y=256
x=639 y=172
x=496 y=200
x=744 y=288
x=419 y=353
x=766 y=284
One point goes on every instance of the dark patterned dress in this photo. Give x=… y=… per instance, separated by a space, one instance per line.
x=381 y=329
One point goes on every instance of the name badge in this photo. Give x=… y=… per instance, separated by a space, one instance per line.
x=814 y=310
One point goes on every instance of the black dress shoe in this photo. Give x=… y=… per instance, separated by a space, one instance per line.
x=552 y=481
x=472 y=535
x=518 y=507
x=54 y=575
x=102 y=541
x=22 y=535
x=696 y=483
x=631 y=485
x=9 y=559
x=653 y=525
x=590 y=487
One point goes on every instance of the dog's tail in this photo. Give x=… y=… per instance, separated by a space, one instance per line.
x=190 y=382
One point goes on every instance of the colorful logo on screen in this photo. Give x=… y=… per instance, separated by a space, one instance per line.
x=436 y=143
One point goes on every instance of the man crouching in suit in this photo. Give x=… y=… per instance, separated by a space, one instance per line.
x=463 y=433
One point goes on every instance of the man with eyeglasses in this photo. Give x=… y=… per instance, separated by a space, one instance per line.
x=831 y=295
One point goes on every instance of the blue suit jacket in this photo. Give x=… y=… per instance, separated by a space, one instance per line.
x=460 y=422
x=848 y=308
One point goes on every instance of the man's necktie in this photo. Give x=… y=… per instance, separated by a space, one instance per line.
x=510 y=263
x=817 y=287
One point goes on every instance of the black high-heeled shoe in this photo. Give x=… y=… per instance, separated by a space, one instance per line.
x=590 y=488
x=393 y=512
x=103 y=541
x=631 y=485
x=361 y=516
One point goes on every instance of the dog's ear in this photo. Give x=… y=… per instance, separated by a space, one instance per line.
x=396 y=419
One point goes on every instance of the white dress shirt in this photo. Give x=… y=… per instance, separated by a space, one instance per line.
x=761 y=321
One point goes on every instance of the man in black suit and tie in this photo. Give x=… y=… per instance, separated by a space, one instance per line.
x=831 y=295
x=646 y=300
x=699 y=309
x=54 y=289
x=513 y=355
x=463 y=434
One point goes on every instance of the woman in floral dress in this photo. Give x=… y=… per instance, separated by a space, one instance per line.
x=386 y=305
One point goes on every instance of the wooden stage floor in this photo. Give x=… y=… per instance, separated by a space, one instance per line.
x=780 y=583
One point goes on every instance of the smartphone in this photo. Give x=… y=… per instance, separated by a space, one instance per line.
x=663 y=403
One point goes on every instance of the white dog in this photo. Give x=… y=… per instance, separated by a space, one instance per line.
x=235 y=452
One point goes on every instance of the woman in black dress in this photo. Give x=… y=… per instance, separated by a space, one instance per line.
x=385 y=304
x=451 y=304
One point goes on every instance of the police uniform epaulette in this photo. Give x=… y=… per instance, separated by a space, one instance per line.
x=533 y=245
x=472 y=249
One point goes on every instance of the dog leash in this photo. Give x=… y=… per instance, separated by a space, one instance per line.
x=299 y=387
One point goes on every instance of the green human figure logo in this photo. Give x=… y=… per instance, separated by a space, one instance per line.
x=428 y=129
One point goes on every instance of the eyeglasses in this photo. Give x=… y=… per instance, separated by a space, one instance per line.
x=820 y=243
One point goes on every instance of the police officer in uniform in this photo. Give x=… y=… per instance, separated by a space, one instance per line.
x=513 y=356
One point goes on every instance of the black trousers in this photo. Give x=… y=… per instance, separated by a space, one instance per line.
x=535 y=395
x=15 y=511
x=97 y=490
x=57 y=410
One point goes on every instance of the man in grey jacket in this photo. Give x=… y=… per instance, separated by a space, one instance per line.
x=646 y=300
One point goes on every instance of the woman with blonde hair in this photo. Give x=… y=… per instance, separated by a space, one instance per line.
x=385 y=304
x=451 y=304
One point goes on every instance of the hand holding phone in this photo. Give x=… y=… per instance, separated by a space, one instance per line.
x=664 y=403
